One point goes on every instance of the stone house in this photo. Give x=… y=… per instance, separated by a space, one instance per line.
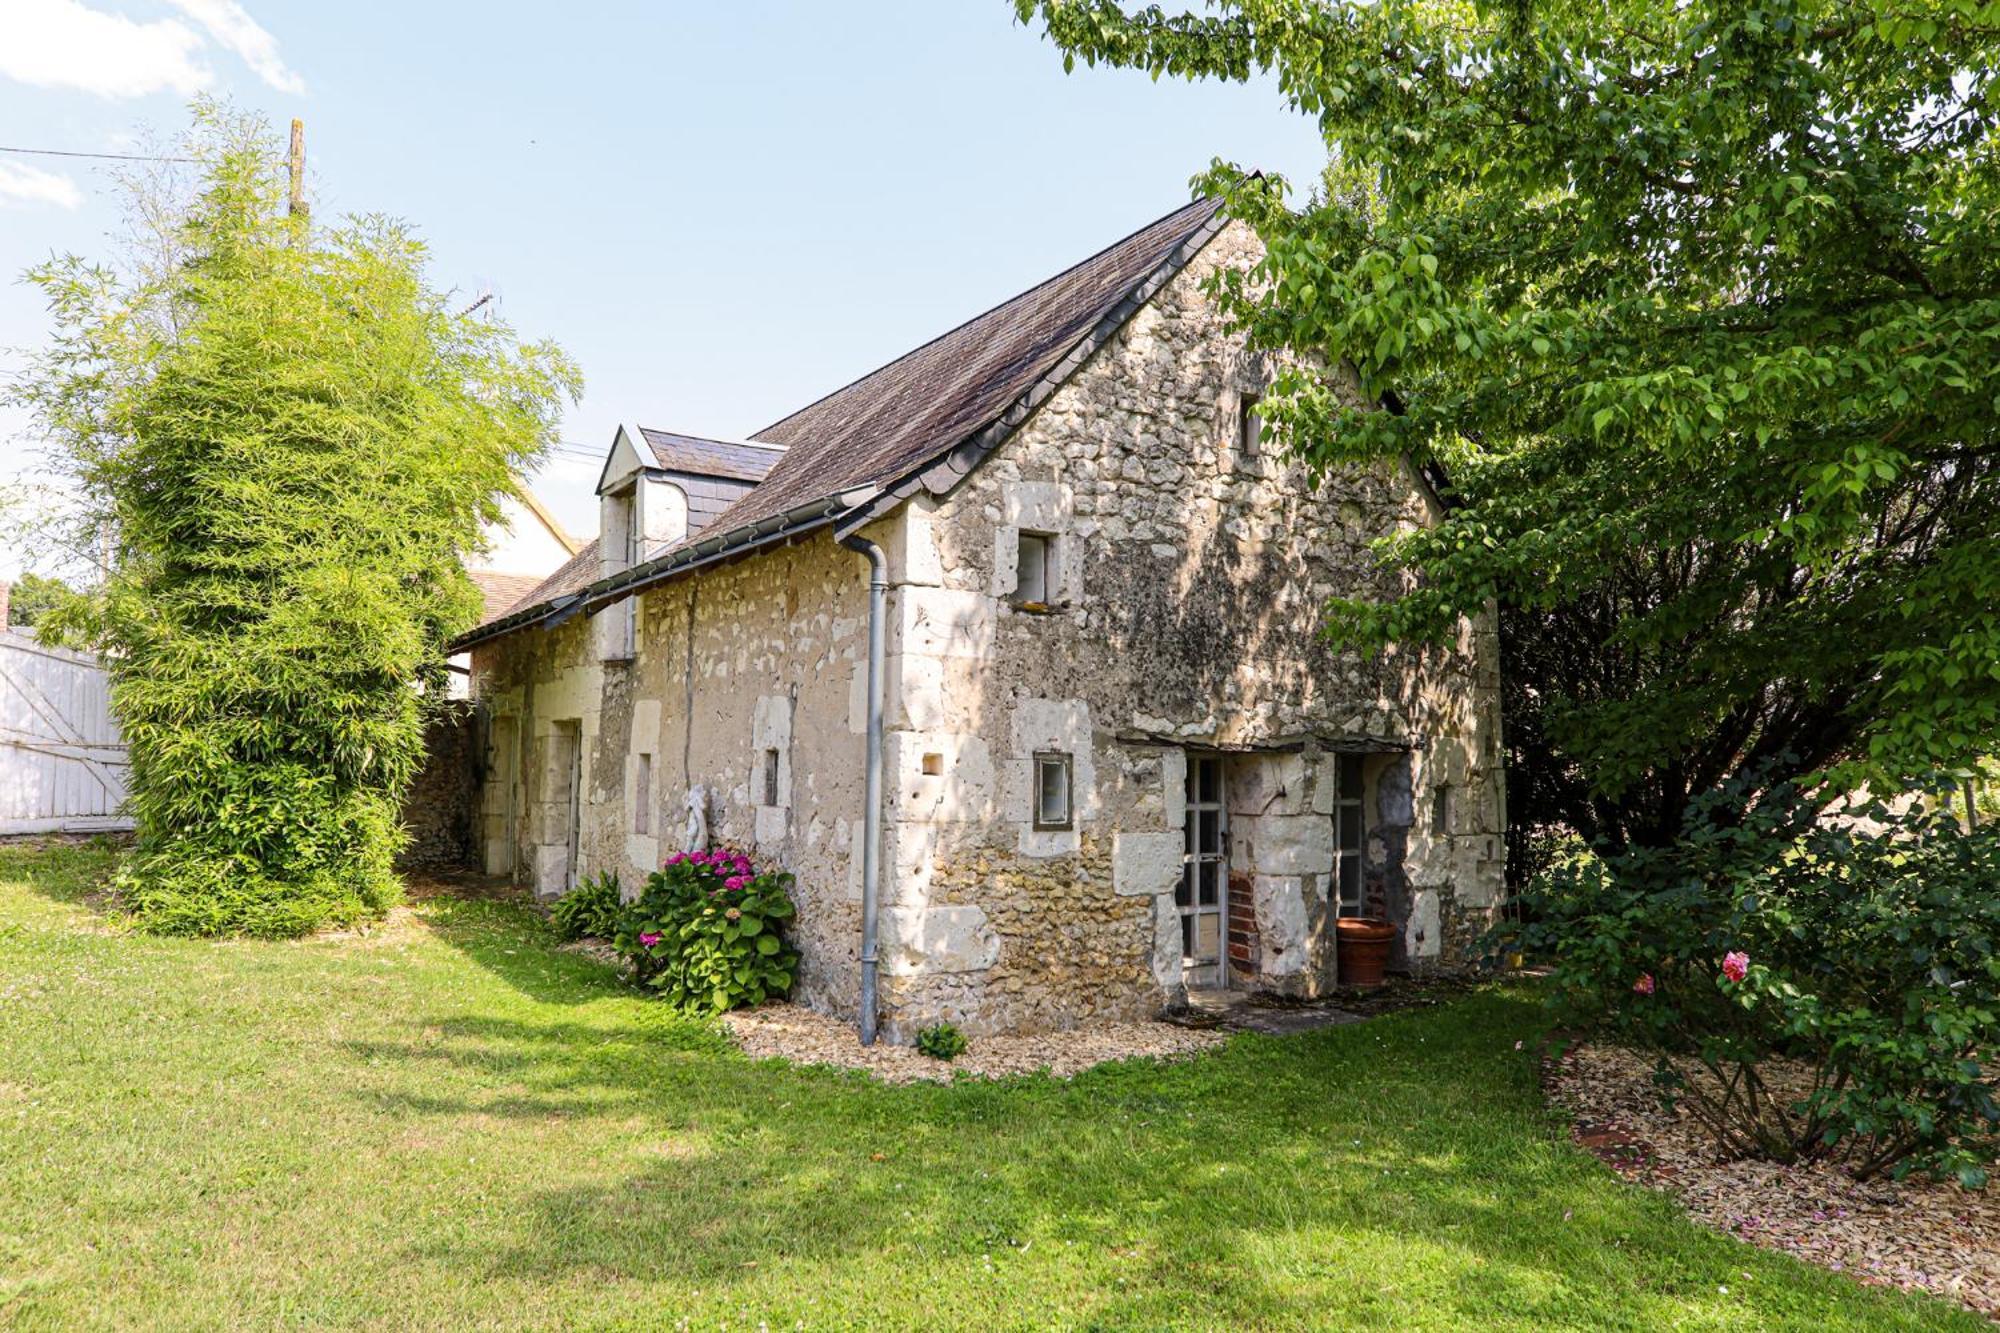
x=1116 y=759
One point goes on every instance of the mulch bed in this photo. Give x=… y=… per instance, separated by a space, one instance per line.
x=795 y=1033
x=1915 y=1234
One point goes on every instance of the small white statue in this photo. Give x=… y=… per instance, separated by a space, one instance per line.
x=696 y=837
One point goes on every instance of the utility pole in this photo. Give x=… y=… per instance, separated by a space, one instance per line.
x=297 y=162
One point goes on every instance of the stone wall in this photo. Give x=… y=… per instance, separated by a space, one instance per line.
x=768 y=654
x=441 y=809
x=1184 y=593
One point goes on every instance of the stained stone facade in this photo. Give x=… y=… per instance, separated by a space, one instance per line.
x=1175 y=623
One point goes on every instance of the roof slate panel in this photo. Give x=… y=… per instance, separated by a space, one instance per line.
x=712 y=458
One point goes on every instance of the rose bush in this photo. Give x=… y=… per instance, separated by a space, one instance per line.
x=1864 y=946
x=707 y=932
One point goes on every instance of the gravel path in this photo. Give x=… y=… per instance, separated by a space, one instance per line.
x=1912 y=1234
x=800 y=1035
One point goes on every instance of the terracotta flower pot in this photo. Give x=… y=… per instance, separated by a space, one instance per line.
x=1362 y=949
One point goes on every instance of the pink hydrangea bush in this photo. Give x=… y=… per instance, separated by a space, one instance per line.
x=1869 y=960
x=707 y=932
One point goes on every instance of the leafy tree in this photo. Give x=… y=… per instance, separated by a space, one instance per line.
x=1689 y=312
x=31 y=596
x=295 y=440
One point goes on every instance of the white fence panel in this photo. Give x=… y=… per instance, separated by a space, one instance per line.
x=62 y=762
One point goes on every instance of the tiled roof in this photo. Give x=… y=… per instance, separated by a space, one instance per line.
x=578 y=570
x=502 y=592
x=712 y=458
x=912 y=412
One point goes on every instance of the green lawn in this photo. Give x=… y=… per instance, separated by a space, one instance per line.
x=448 y=1124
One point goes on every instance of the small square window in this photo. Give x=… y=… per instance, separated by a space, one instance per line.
x=769 y=776
x=1249 y=427
x=642 y=795
x=1054 y=808
x=933 y=765
x=1032 y=567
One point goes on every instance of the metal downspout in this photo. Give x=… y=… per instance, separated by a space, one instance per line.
x=871 y=822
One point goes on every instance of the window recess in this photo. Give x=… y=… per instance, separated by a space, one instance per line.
x=1034 y=571
x=1055 y=806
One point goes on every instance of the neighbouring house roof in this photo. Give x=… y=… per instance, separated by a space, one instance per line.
x=502 y=592
x=549 y=521
x=928 y=417
x=738 y=460
x=575 y=573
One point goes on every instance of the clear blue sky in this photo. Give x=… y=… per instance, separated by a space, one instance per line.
x=722 y=210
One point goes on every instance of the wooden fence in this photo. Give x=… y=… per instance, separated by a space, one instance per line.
x=62 y=762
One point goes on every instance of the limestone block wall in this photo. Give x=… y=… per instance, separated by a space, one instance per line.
x=767 y=655
x=1185 y=583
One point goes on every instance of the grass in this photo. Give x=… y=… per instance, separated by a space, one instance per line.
x=447 y=1123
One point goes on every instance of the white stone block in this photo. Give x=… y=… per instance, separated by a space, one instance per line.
x=1173 y=787
x=1166 y=943
x=1282 y=922
x=943 y=622
x=1292 y=844
x=915 y=941
x=642 y=857
x=1039 y=506
x=551 y=870
x=1145 y=863
x=965 y=787
x=1421 y=933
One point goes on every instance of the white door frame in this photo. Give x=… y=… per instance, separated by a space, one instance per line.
x=1206 y=846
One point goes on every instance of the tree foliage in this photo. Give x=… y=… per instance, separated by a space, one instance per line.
x=1691 y=311
x=295 y=441
x=31 y=597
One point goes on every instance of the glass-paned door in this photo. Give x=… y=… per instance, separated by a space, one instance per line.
x=1203 y=897
x=1348 y=830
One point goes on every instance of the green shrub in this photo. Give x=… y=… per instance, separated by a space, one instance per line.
x=943 y=1042
x=590 y=910
x=706 y=932
x=295 y=440
x=1865 y=948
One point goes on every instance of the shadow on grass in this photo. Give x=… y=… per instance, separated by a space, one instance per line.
x=1255 y=1181
x=74 y=872
x=510 y=938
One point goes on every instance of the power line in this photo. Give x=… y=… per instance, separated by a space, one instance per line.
x=115 y=157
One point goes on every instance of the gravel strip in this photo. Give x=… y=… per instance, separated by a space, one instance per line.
x=1915 y=1234
x=792 y=1032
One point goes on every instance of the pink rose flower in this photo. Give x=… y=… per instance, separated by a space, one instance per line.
x=649 y=939
x=1736 y=965
x=735 y=881
x=1644 y=985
